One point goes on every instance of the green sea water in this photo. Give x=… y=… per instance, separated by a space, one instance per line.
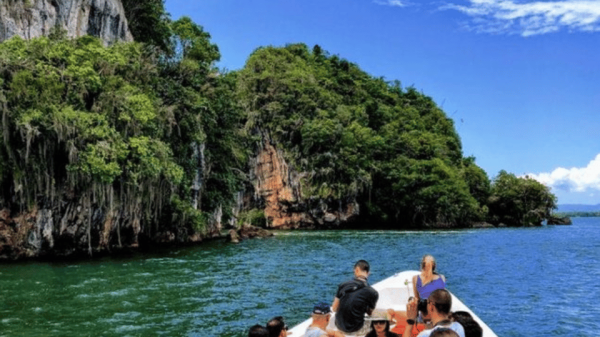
x=526 y=281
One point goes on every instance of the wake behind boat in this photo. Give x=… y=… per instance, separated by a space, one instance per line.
x=394 y=292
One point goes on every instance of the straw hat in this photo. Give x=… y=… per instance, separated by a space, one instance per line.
x=379 y=315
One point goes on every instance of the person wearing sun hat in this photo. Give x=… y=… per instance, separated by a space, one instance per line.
x=380 y=324
x=321 y=314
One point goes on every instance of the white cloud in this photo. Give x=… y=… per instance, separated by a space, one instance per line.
x=574 y=179
x=394 y=3
x=532 y=17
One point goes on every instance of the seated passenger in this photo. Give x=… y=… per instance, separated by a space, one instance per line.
x=427 y=282
x=258 y=331
x=353 y=299
x=320 y=318
x=472 y=328
x=277 y=327
x=423 y=285
x=380 y=325
x=438 y=305
x=443 y=332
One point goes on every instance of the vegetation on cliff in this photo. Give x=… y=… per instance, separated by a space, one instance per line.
x=146 y=136
x=363 y=138
x=157 y=140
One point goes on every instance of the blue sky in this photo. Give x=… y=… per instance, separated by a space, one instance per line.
x=521 y=79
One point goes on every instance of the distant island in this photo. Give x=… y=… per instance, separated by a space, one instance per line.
x=566 y=208
x=577 y=210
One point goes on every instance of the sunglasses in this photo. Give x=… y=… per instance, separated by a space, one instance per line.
x=379 y=322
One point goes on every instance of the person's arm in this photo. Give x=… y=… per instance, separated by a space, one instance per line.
x=392 y=314
x=411 y=314
x=335 y=305
x=373 y=304
x=333 y=333
x=398 y=316
x=415 y=287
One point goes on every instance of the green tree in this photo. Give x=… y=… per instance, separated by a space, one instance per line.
x=122 y=129
x=519 y=201
x=149 y=23
x=361 y=138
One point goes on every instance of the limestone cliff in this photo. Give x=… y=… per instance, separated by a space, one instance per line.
x=33 y=18
x=285 y=206
x=77 y=228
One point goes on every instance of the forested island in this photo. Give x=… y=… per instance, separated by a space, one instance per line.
x=110 y=146
x=578 y=214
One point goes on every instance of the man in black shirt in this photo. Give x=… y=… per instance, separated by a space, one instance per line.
x=353 y=299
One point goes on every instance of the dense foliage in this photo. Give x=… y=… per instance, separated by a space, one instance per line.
x=157 y=134
x=149 y=23
x=520 y=201
x=128 y=130
x=362 y=138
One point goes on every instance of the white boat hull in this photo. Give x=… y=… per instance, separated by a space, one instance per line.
x=394 y=292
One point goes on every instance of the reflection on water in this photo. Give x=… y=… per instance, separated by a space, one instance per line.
x=519 y=281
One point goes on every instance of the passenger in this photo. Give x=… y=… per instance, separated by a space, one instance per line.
x=258 y=331
x=428 y=281
x=438 y=305
x=277 y=327
x=320 y=318
x=423 y=285
x=380 y=325
x=443 y=332
x=472 y=328
x=353 y=299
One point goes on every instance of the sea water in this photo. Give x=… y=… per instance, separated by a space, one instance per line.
x=520 y=281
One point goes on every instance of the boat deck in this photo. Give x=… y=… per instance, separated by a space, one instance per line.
x=394 y=292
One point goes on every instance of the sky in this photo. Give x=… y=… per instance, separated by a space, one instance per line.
x=520 y=79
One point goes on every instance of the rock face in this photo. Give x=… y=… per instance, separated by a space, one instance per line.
x=482 y=225
x=65 y=229
x=247 y=232
x=555 y=220
x=33 y=18
x=285 y=207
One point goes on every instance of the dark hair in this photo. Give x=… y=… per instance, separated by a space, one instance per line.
x=443 y=332
x=461 y=315
x=442 y=300
x=258 y=331
x=362 y=265
x=434 y=264
x=388 y=333
x=275 y=326
x=472 y=328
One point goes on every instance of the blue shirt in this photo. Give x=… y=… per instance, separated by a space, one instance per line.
x=455 y=326
x=426 y=290
x=314 y=332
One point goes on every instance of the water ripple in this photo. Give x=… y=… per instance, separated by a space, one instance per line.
x=530 y=281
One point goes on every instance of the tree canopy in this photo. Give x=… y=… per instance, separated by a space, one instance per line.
x=154 y=130
x=147 y=133
x=520 y=201
x=361 y=137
